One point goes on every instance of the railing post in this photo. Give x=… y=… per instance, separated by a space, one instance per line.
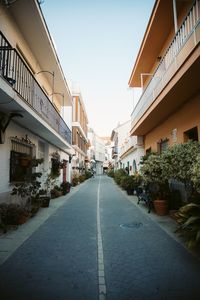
x=175 y=16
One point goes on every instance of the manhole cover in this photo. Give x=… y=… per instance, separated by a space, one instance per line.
x=131 y=225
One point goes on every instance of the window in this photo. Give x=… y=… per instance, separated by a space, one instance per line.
x=162 y=145
x=19 y=167
x=191 y=135
x=41 y=149
x=20 y=158
x=134 y=166
x=148 y=151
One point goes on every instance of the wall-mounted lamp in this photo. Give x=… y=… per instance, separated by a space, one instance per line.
x=53 y=75
x=5 y=119
x=70 y=157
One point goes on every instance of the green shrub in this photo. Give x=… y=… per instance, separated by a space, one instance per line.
x=118 y=174
x=88 y=174
x=111 y=173
x=75 y=181
x=13 y=213
x=123 y=181
x=195 y=176
x=65 y=187
x=179 y=160
x=81 y=178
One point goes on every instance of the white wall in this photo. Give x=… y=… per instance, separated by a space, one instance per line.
x=15 y=130
x=134 y=155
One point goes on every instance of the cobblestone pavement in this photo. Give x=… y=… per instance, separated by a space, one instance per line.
x=61 y=259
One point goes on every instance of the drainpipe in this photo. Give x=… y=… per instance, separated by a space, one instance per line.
x=175 y=16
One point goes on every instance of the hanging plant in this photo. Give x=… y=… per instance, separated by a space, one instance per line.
x=57 y=164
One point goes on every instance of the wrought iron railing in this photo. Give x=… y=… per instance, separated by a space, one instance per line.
x=161 y=77
x=16 y=72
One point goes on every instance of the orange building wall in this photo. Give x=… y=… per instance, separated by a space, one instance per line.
x=187 y=117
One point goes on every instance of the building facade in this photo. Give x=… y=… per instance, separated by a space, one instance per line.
x=96 y=152
x=167 y=68
x=127 y=150
x=131 y=153
x=79 y=131
x=33 y=92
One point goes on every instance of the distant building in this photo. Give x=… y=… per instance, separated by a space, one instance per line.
x=79 y=131
x=108 y=162
x=127 y=150
x=96 y=152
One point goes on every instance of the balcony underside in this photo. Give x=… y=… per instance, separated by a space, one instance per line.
x=180 y=89
x=11 y=102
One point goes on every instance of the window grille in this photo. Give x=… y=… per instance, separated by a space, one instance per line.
x=20 y=147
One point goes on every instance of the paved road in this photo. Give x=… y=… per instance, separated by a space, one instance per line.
x=98 y=245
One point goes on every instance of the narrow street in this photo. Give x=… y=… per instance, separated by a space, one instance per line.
x=99 y=245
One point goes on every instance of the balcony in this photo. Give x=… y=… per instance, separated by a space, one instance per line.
x=114 y=151
x=179 y=51
x=17 y=74
x=130 y=144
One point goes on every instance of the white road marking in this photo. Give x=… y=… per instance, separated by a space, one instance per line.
x=101 y=273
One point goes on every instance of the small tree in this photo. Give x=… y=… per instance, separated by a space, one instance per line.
x=152 y=173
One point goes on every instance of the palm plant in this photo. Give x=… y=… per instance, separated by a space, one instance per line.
x=188 y=218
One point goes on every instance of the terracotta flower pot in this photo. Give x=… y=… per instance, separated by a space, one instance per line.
x=161 y=207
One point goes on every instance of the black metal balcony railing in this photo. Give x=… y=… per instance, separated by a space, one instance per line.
x=17 y=73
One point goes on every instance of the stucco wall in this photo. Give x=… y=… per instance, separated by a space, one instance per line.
x=14 y=36
x=187 y=117
x=15 y=130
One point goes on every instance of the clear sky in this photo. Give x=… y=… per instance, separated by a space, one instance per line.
x=97 y=42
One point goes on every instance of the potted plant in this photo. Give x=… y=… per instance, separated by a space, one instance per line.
x=14 y=213
x=157 y=184
x=188 y=218
x=56 y=192
x=29 y=189
x=127 y=183
x=57 y=164
x=44 y=198
x=65 y=186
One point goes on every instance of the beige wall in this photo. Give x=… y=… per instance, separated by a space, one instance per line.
x=79 y=114
x=184 y=119
x=13 y=34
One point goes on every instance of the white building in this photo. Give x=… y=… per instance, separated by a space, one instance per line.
x=33 y=92
x=108 y=162
x=79 y=132
x=127 y=150
x=130 y=154
x=96 y=152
